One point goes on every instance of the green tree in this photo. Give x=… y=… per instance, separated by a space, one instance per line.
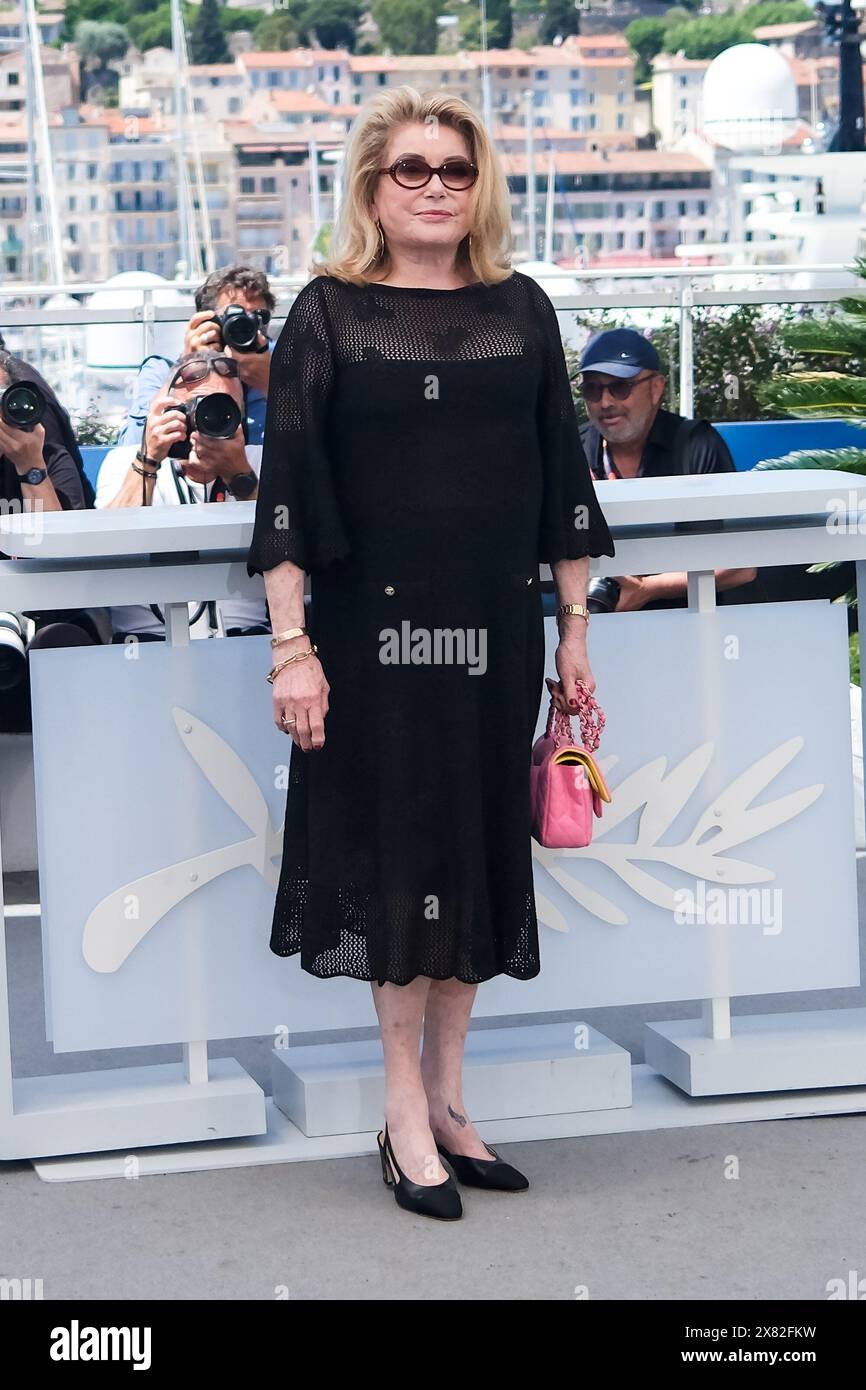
x=313 y=23
x=645 y=38
x=234 y=19
x=708 y=36
x=207 y=42
x=778 y=12
x=500 y=29
x=100 y=11
x=499 y=26
x=151 y=29
x=99 y=43
x=469 y=26
x=560 y=17
x=407 y=26
x=276 y=33
x=334 y=23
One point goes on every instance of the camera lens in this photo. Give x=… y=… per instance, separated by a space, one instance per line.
x=602 y=595
x=218 y=415
x=240 y=328
x=22 y=405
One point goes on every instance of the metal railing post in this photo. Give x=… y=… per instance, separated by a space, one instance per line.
x=687 y=350
x=148 y=322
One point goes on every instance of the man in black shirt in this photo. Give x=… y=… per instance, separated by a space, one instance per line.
x=628 y=435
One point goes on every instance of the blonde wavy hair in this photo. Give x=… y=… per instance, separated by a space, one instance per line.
x=356 y=252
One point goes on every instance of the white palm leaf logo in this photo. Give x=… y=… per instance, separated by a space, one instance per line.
x=728 y=821
x=119 y=922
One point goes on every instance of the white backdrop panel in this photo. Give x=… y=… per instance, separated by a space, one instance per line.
x=169 y=760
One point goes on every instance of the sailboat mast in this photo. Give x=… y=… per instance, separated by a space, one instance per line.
x=532 y=250
x=548 y=211
x=486 y=106
x=183 y=208
x=315 y=202
x=47 y=186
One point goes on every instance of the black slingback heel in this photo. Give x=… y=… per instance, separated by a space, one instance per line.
x=494 y=1174
x=441 y=1201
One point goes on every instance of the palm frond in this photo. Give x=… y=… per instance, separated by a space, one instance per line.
x=847 y=460
x=816 y=395
x=844 y=335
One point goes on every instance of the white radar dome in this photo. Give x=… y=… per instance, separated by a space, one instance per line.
x=750 y=98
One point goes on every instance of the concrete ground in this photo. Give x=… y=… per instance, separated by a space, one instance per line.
x=647 y=1216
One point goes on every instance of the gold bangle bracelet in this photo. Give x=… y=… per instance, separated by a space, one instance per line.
x=289 y=632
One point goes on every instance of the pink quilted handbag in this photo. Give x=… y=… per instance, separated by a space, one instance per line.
x=565 y=782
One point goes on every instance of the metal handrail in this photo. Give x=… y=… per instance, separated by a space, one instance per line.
x=674 y=272
x=658 y=299
x=682 y=298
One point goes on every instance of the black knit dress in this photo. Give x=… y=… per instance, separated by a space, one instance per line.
x=421 y=457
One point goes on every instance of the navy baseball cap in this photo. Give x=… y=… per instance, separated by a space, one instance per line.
x=620 y=352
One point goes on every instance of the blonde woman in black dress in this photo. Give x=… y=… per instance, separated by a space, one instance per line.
x=421 y=458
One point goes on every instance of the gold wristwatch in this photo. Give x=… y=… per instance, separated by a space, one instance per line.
x=573 y=608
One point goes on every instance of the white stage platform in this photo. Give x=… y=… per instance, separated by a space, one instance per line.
x=656 y=1105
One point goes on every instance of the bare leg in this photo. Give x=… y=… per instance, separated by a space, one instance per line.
x=446 y=1020
x=401 y=1011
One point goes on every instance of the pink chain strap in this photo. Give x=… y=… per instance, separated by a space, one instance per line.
x=591 y=717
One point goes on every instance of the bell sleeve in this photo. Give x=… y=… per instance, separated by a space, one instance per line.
x=572 y=522
x=297 y=515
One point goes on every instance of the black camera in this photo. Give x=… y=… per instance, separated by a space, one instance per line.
x=218 y=416
x=13 y=650
x=239 y=327
x=602 y=595
x=22 y=405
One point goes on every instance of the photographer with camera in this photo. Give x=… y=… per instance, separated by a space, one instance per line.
x=40 y=471
x=233 y=308
x=60 y=449
x=628 y=435
x=193 y=451
x=39 y=459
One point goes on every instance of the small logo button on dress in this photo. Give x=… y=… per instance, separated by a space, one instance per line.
x=389 y=589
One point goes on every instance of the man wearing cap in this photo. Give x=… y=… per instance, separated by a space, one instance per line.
x=628 y=435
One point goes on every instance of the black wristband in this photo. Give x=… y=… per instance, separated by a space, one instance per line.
x=146 y=459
